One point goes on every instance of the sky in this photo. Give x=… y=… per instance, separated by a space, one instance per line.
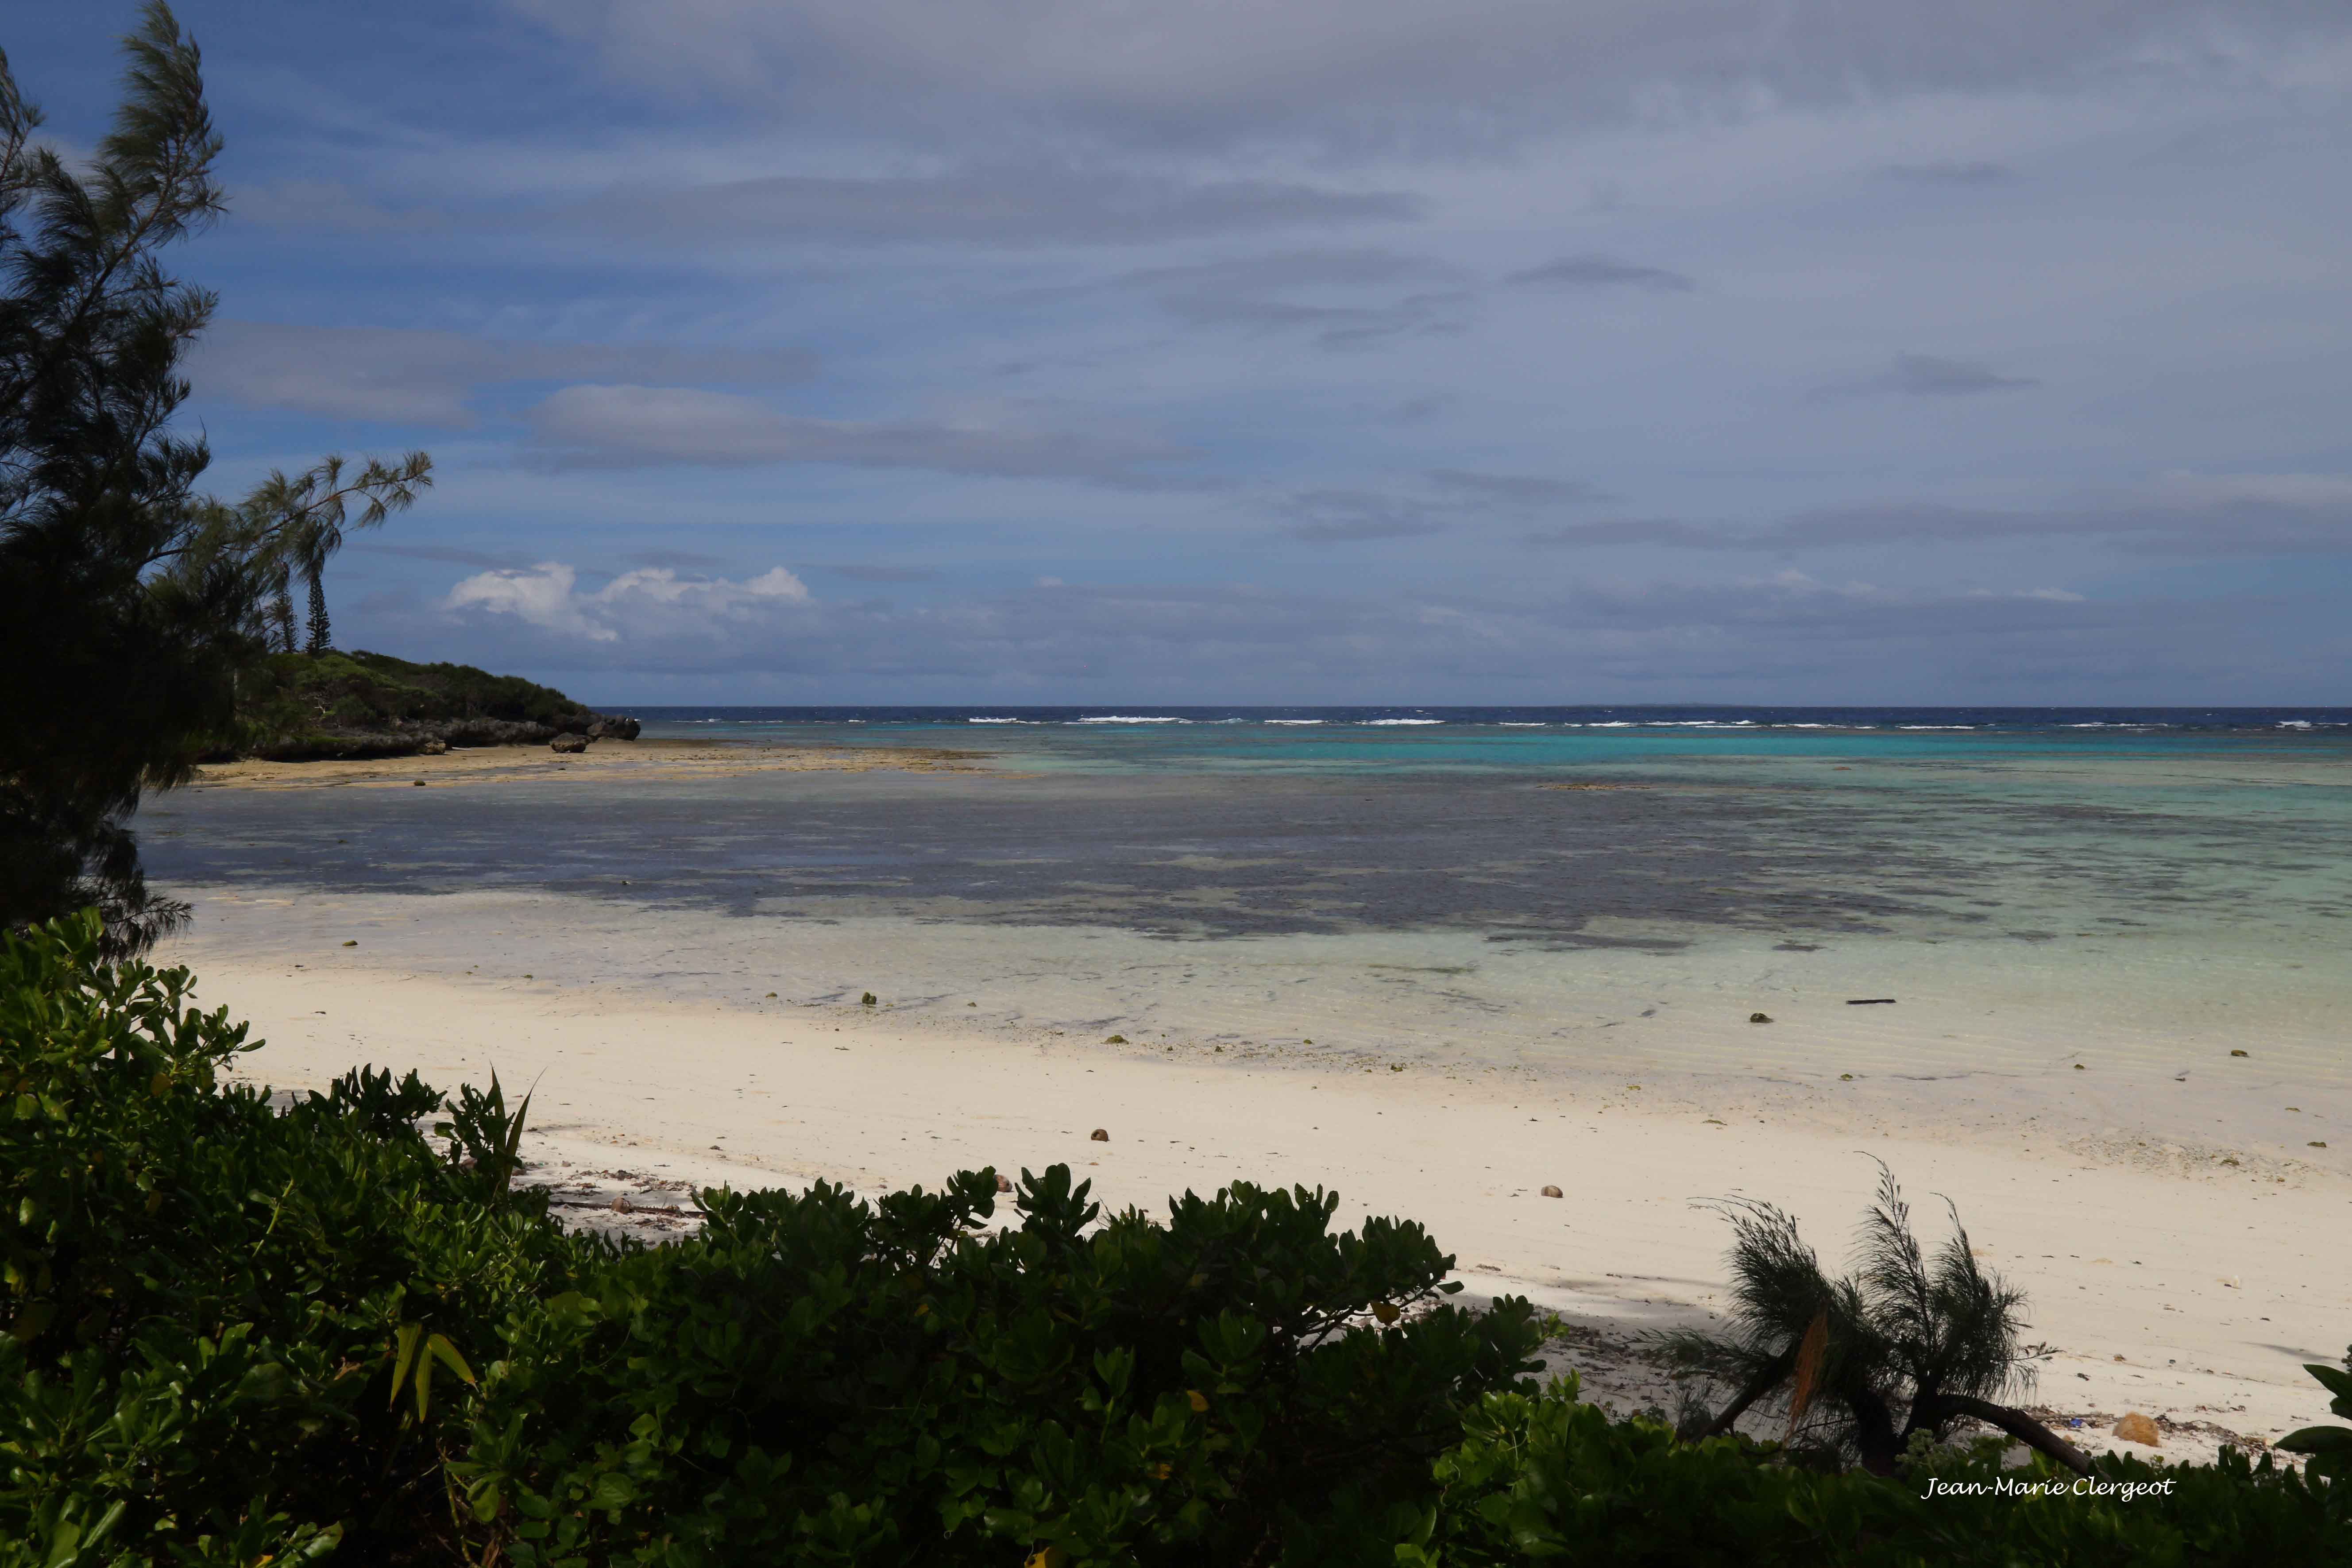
x=1297 y=351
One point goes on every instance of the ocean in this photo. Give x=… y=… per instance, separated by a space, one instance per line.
x=1529 y=886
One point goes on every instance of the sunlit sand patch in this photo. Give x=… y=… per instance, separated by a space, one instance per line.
x=638 y=761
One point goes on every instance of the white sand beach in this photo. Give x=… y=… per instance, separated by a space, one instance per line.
x=2185 y=1279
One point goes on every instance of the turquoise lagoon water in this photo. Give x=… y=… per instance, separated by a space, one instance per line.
x=1535 y=827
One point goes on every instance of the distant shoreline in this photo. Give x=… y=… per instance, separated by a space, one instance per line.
x=638 y=760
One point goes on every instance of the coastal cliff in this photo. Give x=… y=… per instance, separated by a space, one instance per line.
x=295 y=706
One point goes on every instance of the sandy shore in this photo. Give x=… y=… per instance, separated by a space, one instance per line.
x=2191 y=1291
x=637 y=760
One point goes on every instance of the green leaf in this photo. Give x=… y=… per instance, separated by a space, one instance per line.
x=612 y=1492
x=424 y=1386
x=2318 y=1440
x=404 y=1341
x=31 y=1320
x=319 y=1545
x=2335 y=1379
x=65 y=1545
x=447 y=1354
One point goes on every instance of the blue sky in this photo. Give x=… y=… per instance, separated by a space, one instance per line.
x=1514 y=350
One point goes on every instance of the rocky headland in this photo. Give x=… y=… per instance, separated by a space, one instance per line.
x=300 y=706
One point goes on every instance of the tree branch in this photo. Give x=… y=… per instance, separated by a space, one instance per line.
x=2017 y=1423
x=1762 y=1383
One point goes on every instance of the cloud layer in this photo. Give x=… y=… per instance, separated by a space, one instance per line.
x=1026 y=206
x=433 y=378
x=651 y=606
x=1746 y=639
x=1315 y=348
x=1217 y=68
x=636 y=426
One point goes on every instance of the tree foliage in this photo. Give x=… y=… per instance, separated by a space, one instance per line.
x=1903 y=1345
x=128 y=600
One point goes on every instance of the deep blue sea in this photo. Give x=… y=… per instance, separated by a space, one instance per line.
x=1670 y=717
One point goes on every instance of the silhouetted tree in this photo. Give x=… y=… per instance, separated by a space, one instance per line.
x=317 y=506
x=127 y=602
x=1862 y=1364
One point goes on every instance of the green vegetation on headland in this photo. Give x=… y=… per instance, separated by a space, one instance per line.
x=298 y=705
x=243 y=1328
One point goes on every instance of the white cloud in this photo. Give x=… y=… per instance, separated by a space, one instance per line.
x=541 y=596
x=651 y=603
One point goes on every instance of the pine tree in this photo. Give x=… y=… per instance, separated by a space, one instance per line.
x=321 y=636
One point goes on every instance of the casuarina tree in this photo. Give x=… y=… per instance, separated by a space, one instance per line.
x=128 y=600
x=1864 y=1363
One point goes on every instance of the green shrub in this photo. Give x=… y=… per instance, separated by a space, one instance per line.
x=1550 y=1479
x=205 y=1295
x=815 y=1380
x=2330 y=1447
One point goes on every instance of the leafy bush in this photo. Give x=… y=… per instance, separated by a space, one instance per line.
x=2330 y=1447
x=205 y=1295
x=814 y=1380
x=1548 y=1478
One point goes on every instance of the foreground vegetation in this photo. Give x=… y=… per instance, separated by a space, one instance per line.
x=243 y=1331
